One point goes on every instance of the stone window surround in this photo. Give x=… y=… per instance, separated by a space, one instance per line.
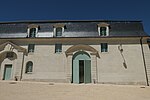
x=32 y=26
x=27 y=71
x=58 y=26
x=103 y=25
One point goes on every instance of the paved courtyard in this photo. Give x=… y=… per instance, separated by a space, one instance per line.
x=53 y=91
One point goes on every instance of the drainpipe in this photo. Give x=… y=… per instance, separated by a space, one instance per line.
x=144 y=61
x=22 y=67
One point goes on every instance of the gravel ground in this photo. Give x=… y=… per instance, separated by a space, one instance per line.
x=53 y=91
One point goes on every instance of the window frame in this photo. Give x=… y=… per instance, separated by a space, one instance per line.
x=57 y=34
x=31 y=46
x=100 y=32
x=103 y=31
x=29 y=68
x=58 y=25
x=104 y=47
x=34 y=34
x=58 y=48
x=103 y=24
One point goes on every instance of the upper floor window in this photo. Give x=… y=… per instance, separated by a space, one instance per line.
x=104 y=47
x=31 y=48
x=32 y=30
x=29 y=67
x=58 y=30
x=103 y=29
x=58 y=48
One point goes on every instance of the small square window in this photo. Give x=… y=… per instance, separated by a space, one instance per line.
x=58 y=48
x=104 y=47
x=31 y=48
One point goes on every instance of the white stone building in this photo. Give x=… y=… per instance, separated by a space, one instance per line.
x=113 y=52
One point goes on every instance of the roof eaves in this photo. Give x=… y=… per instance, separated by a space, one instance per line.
x=57 y=21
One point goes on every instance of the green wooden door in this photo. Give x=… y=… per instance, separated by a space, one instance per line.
x=81 y=56
x=75 y=71
x=7 y=72
x=87 y=71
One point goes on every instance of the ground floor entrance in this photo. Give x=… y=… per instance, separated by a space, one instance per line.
x=81 y=68
x=81 y=71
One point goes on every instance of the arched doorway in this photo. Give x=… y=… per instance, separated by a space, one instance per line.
x=81 y=68
x=11 y=61
x=7 y=61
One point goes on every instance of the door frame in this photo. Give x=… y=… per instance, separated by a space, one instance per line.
x=87 y=71
x=75 y=66
x=4 y=73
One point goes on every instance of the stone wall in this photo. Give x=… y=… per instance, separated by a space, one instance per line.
x=115 y=67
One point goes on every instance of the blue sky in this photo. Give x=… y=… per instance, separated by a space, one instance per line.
x=14 y=10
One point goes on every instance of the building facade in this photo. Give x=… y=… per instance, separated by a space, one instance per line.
x=106 y=52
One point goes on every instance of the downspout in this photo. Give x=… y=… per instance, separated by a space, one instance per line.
x=96 y=71
x=22 y=67
x=144 y=61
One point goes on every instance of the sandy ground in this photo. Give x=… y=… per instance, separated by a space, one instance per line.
x=47 y=91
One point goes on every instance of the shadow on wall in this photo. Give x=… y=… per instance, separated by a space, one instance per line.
x=120 y=48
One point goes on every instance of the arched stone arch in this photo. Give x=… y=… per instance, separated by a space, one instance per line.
x=6 y=54
x=92 y=52
x=8 y=60
x=81 y=47
x=9 y=46
x=78 y=54
x=8 y=49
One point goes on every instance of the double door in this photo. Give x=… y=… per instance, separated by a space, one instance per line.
x=82 y=71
